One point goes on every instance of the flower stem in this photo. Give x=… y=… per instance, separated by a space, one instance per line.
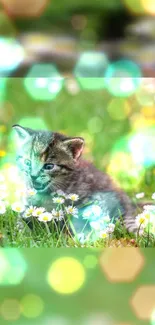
x=47 y=228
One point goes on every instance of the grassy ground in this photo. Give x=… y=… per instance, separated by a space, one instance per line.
x=15 y=232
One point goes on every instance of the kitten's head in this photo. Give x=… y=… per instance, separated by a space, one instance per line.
x=47 y=158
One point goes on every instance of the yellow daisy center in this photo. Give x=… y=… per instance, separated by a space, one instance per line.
x=45 y=218
x=147 y=216
x=142 y=220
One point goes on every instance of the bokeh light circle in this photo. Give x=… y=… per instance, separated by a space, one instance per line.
x=90 y=261
x=149 y=6
x=89 y=70
x=13 y=267
x=142 y=148
x=145 y=94
x=31 y=306
x=95 y=125
x=66 y=275
x=11 y=55
x=122 y=78
x=24 y=8
x=118 y=109
x=10 y=310
x=43 y=82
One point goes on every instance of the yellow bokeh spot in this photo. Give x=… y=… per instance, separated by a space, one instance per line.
x=3 y=128
x=32 y=306
x=2 y=153
x=149 y=6
x=148 y=111
x=66 y=275
x=119 y=109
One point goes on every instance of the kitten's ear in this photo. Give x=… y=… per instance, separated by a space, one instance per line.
x=22 y=132
x=75 y=145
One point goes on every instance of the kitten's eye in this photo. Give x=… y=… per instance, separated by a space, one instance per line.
x=48 y=166
x=27 y=162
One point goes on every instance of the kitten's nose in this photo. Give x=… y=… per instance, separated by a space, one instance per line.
x=34 y=178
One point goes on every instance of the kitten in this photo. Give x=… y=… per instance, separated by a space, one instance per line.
x=50 y=161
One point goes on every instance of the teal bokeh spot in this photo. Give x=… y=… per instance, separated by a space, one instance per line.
x=35 y=123
x=89 y=70
x=43 y=82
x=122 y=78
x=91 y=217
x=142 y=147
x=11 y=55
x=13 y=267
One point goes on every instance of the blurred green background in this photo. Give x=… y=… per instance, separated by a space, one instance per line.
x=77 y=286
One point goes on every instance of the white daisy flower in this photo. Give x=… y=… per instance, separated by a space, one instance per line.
x=149 y=216
x=58 y=214
x=93 y=210
x=103 y=234
x=17 y=207
x=2 y=207
x=140 y=195
x=106 y=219
x=29 y=211
x=61 y=193
x=73 y=197
x=153 y=196
x=149 y=207
x=45 y=217
x=141 y=220
x=72 y=210
x=38 y=211
x=31 y=192
x=58 y=200
x=95 y=225
x=110 y=229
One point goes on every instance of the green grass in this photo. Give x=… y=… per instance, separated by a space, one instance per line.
x=15 y=232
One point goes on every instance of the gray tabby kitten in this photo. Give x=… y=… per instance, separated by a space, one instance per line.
x=50 y=161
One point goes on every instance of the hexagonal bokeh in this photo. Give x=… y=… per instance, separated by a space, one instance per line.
x=122 y=78
x=89 y=70
x=24 y=8
x=43 y=82
x=13 y=267
x=143 y=302
x=121 y=265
